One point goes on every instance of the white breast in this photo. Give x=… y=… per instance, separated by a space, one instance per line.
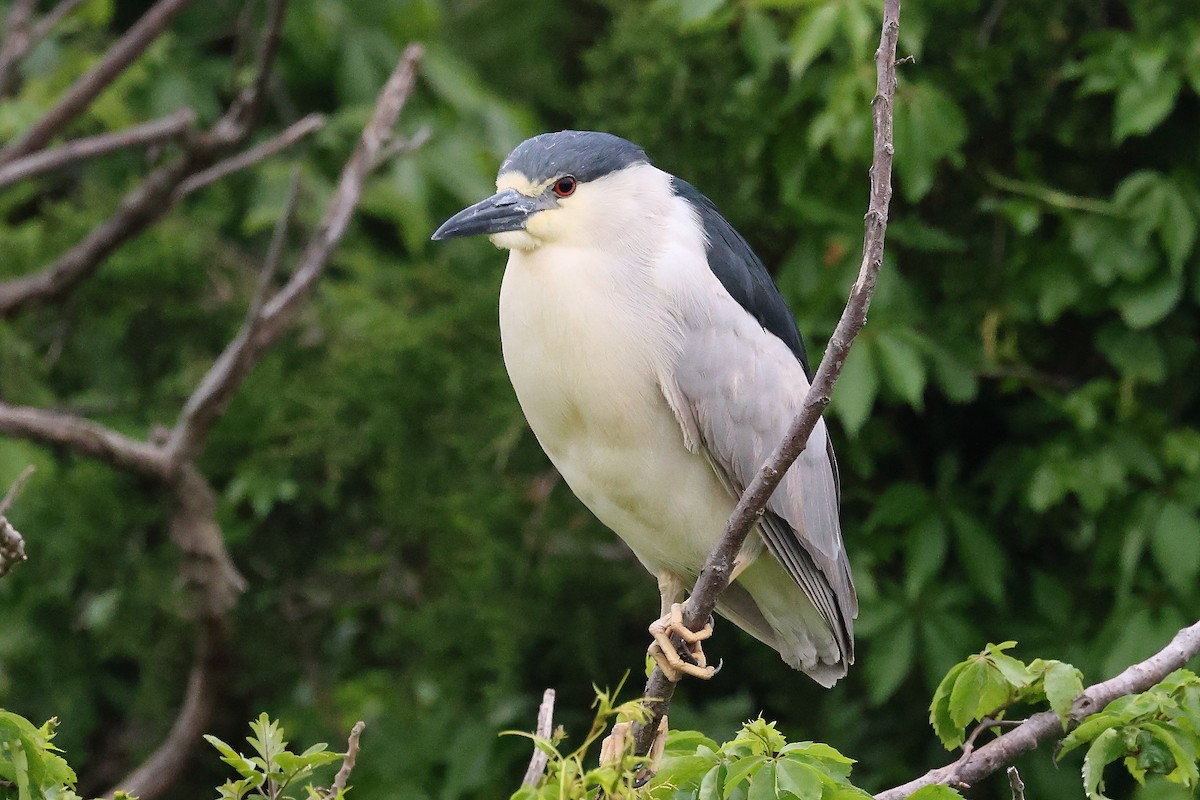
x=584 y=342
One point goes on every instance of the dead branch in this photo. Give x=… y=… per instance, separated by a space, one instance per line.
x=169 y=127
x=260 y=152
x=82 y=437
x=146 y=203
x=1044 y=726
x=42 y=28
x=348 y=761
x=16 y=43
x=1016 y=784
x=714 y=576
x=263 y=328
x=545 y=726
x=124 y=52
x=156 y=774
x=11 y=495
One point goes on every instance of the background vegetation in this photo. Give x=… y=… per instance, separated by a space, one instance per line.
x=1016 y=426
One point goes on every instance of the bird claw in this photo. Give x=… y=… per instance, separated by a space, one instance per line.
x=687 y=658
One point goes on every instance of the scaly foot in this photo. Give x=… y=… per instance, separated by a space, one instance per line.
x=663 y=651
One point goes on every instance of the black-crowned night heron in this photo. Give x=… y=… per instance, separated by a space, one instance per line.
x=658 y=366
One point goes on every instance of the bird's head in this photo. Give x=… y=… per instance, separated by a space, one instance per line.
x=559 y=187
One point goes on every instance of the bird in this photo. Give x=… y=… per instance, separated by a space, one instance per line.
x=658 y=366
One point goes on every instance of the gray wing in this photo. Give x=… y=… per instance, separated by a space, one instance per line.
x=738 y=389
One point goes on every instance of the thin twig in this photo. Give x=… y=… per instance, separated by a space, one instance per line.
x=42 y=28
x=1016 y=784
x=714 y=576
x=348 y=761
x=81 y=94
x=277 y=143
x=16 y=43
x=17 y=485
x=545 y=726
x=1047 y=725
x=146 y=203
x=169 y=127
x=223 y=378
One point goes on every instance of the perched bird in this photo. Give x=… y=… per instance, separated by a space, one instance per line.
x=658 y=366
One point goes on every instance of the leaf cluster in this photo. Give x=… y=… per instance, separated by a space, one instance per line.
x=757 y=764
x=1156 y=732
x=986 y=684
x=274 y=772
x=567 y=777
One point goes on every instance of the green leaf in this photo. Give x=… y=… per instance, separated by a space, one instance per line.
x=762 y=786
x=891 y=660
x=980 y=690
x=939 y=709
x=801 y=780
x=1175 y=545
x=856 y=387
x=1107 y=747
x=924 y=554
x=739 y=770
x=811 y=37
x=981 y=557
x=1186 y=771
x=1063 y=684
x=710 y=787
x=1141 y=105
x=937 y=792
x=929 y=128
x=1144 y=304
x=903 y=367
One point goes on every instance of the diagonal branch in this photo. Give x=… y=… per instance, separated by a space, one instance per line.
x=1044 y=726
x=124 y=52
x=16 y=43
x=269 y=320
x=12 y=546
x=149 y=201
x=42 y=28
x=169 y=127
x=714 y=576
x=260 y=152
x=156 y=774
x=81 y=436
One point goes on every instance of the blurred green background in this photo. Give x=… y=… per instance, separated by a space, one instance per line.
x=1016 y=426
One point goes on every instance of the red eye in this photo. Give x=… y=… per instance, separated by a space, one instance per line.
x=565 y=186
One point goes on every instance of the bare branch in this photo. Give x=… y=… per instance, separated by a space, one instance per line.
x=394 y=95
x=81 y=94
x=16 y=43
x=1016 y=784
x=348 y=761
x=714 y=576
x=156 y=774
x=81 y=436
x=1046 y=725
x=545 y=726
x=169 y=127
x=14 y=490
x=147 y=202
x=277 y=143
x=223 y=378
x=43 y=26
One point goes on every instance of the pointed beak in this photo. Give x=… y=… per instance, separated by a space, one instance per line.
x=508 y=210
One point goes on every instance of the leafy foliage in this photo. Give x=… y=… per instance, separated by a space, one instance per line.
x=567 y=776
x=1016 y=429
x=1156 y=732
x=30 y=765
x=274 y=770
x=986 y=684
x=757 y=764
